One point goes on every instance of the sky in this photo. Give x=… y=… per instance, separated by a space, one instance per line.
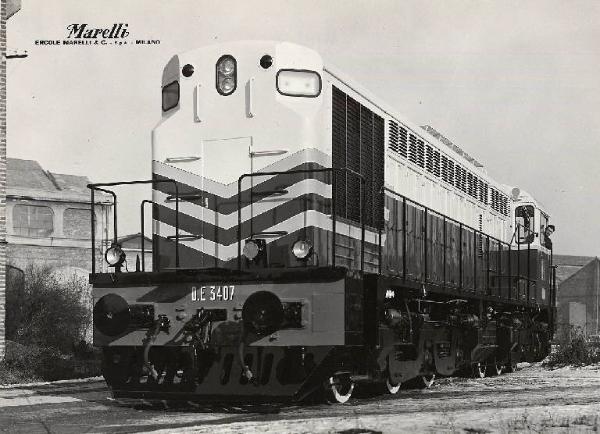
x=514 y=83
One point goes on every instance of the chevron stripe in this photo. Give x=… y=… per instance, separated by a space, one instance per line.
x=259 y=223
x=214 y=195
x=297 y=192
x=226 y=252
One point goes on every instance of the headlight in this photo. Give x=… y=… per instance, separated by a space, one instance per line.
x=226 y=75
x=114 y=255
x=292 y=82
x=251 y=250
x=302 y=249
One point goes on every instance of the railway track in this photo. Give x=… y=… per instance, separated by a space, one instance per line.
x=530 y=399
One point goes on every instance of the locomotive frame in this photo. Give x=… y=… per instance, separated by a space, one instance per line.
x=392 y=291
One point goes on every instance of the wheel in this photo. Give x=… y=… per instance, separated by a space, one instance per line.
x=498 y=368
x=428 y=380
x=391 y=387
x=338 y=389
x=479 y=370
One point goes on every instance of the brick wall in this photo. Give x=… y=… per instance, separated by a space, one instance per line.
x=2 y=173
x=21 y=255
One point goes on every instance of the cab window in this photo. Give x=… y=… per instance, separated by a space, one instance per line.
x=524 y=223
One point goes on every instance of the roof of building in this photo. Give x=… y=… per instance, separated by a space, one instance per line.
x=133 y=241
x=569 y=265
x=28 y=179
x=587 y=273
x=571 y=260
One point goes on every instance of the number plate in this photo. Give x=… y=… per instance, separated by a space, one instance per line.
x=213 y=293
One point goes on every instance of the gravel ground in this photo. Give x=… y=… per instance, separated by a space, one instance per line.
x=530 y=400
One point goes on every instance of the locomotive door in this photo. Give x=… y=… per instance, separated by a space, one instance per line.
x=223 y=162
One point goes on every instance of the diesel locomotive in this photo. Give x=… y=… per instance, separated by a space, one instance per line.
x=307 y=238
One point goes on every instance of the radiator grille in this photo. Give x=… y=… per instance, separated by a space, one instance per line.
x=353 y=158
x=366 y=159
x=339 y=148
x=358 y=140
x=378 y=168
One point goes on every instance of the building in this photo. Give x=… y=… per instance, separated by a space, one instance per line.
x=132 y=246
x=48 y=219
x=578 y=293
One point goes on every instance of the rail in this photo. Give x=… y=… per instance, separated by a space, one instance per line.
x=334 y=171
x=479 y=240
x=98 y=187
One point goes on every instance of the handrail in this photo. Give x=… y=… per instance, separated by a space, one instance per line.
x=502 y=245
x=142 y=241
x=97 y=187
x=332 y=170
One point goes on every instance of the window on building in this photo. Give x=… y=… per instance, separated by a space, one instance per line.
x=76 y=223
x=33 y=220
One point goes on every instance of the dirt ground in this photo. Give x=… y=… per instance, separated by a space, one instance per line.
x=530 y=400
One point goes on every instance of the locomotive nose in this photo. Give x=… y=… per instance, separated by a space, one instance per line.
x=262 y=313
x=111 y=315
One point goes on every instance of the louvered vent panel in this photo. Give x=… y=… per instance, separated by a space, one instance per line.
x=378 y=167
x=429 y=158
x=436 y=163
x=444 y=168
x=352 y=158
x=421 y=153
x=451 y=172
x=393 y=137
x=484 y=193
x=338 y=141
x=504 y=200
x=470 y=184
x=412 y=149
x=366 y=160
x=403 y=142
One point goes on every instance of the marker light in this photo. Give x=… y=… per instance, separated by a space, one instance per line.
x=302 y=249
x=293 y=82
x=114 y=255
x=251 y=250
x=226 y=75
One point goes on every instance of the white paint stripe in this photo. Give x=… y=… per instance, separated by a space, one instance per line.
x=227 y=221
x=310 y=155
x=299 y=221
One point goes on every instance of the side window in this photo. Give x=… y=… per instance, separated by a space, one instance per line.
x=33 y=221
x=543 y=223
x=76 y=223
x=524 y=224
